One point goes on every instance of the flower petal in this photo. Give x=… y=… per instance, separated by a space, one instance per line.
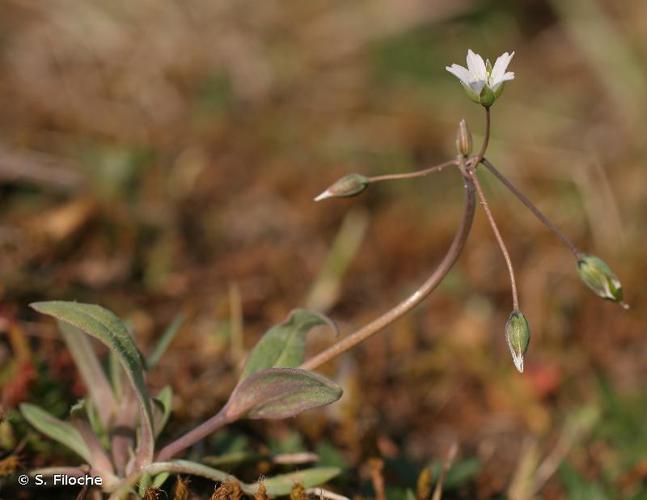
x=459 y=72
x=476 y=66
x=499 y=70
x=496 y=84
x=477 y=86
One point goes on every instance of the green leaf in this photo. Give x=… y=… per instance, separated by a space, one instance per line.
x=232 y=458
x=165 y=340
x=117 y=375
x=280 y=393
x=56 y=429
x=189 y=467
x=283 y=484
x=109 y=329
x=160 y=479
x=90 y=370
x=284 y=345
x=277 y=485
x=162 y=408
x=144 y=482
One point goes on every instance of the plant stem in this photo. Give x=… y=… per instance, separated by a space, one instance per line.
x=412 y=175
x=414 y=299
x=499 y=239
x=530 y=206
x=486 y=139
x=190 y=438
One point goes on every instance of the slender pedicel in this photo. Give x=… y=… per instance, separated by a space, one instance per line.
x=413 y=175
x=499 y=238
x=354 y=184
x=530 y=206
x=486 y=139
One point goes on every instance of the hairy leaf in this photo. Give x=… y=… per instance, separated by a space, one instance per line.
x=277 y=485
x=280 y=393
x=109 y=329
x=284 y=345
x=56 y=429
x=283 y=484
x=90 y=370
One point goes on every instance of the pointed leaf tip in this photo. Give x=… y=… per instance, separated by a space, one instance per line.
x=280 y=393
x=283 y=345
x=105 y=326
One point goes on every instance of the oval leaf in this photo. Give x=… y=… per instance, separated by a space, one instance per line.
x=56 y=429
x=283 y=484
x=284 y=345
x=109 y=329
x=280 y=393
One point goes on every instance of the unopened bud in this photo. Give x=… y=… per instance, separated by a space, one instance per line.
x=349 y=185
x=517 y=334
x=464 y=139
x=597 y=275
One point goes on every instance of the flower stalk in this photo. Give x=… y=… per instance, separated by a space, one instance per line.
x=531 y=206
x=499 y=239
x=416 y=297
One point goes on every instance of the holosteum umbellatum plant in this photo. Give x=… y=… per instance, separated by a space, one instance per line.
x=115 y=428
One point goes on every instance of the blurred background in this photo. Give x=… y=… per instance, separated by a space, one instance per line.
x=160 y=157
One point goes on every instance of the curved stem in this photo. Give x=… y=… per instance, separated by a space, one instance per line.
x=412 y=175
x=414 y=299
x=499 y=239
x=530 y=206
x=173 y=467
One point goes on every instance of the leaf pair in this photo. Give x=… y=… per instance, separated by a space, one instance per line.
x=270 y=385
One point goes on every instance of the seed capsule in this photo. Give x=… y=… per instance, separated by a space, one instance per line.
x=464 y=139
x=599 y=277
x=349 y=185
x=517 y=334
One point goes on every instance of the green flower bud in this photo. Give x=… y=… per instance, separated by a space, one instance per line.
x=517 y=334
x=349 y=185
x=597 y=275
x=463 y=139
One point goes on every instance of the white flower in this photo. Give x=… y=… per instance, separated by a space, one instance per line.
x=483 y=82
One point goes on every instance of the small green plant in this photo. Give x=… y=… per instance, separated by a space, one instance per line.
x=115 y=429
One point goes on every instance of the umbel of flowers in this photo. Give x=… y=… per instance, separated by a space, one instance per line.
x=483 y=83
